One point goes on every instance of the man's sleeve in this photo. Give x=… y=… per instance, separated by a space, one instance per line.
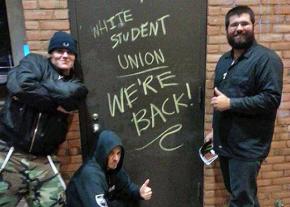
x=90 y=190
x=269 y=82
x=68 y=94
x=24 y=82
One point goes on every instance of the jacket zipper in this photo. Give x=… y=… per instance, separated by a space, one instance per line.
x=34 y=133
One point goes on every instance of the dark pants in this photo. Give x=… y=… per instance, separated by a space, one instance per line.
x=126 y=203
x=240 y=178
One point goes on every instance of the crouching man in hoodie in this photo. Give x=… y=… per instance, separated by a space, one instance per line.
x=102 y=180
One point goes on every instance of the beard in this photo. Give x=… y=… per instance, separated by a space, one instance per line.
x=246 y=40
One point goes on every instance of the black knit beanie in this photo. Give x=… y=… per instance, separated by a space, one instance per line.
x=62 y=40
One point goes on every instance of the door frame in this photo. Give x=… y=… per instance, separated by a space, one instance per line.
x=86 y=123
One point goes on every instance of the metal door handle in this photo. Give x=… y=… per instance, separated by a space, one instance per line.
x=96 y=125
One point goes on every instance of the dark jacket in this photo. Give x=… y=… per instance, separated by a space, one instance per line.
x=93 y=185
x=29 y=119
x=254 y=85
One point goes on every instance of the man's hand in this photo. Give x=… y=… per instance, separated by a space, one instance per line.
x=220 y=101
x=61 y=109
x=209 y=137
x=145 y=191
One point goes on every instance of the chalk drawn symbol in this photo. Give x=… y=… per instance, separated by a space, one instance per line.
x=171 y=130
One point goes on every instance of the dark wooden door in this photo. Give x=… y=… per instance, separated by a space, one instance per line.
x=143 y=62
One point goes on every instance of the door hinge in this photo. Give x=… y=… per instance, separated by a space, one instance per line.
x=199 y=192
x=200 y=97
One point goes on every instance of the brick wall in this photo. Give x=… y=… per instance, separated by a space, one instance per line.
x=43 y=17
x=272 y=30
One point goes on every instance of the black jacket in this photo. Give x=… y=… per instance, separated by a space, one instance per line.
x=254 y=85
x=29 y=120
x=93 y=185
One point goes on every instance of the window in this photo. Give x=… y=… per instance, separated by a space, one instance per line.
x=6 y=61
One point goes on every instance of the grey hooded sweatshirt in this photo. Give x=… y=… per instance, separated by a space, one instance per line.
x=93 y=185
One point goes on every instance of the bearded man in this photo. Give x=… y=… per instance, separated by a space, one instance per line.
x=248 y=87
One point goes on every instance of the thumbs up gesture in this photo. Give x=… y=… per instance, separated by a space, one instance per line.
x=145 y=190
x=220 y=101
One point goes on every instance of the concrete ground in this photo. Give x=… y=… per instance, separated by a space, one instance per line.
x=22 y=203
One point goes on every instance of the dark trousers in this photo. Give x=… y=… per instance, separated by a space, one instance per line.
x=120 y=203
x=240 y=179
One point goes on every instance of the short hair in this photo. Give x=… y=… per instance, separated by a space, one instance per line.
x=239 y=10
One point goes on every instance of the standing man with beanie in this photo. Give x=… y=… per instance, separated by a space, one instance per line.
x=43 y=93
x=247 y=93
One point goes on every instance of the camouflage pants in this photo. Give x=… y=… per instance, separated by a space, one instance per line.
x=30 y=177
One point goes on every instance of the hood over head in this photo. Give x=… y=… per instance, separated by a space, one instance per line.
x=107 y=141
